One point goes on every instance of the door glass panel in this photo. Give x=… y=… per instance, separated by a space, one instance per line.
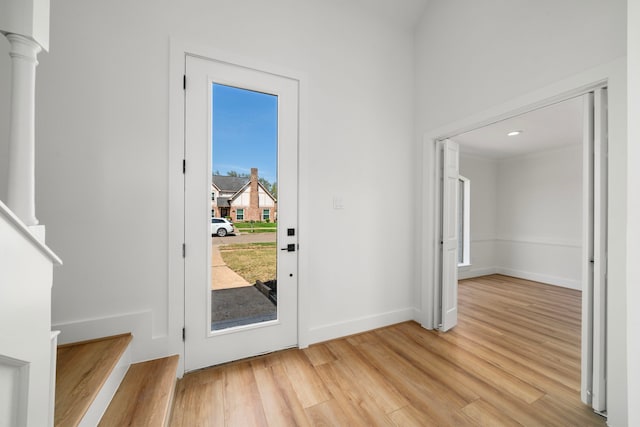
x=243 y=207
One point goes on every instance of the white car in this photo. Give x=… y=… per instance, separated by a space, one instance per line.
x=221 y=227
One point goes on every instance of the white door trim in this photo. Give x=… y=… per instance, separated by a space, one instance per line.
x=178 y=51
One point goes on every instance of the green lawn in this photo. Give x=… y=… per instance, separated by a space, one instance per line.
x=256 y=227
x=252 y=261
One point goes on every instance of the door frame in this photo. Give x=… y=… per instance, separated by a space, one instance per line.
x=175 y=298
x=610 y=75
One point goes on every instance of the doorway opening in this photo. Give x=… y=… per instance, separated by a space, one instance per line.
x=549 y=203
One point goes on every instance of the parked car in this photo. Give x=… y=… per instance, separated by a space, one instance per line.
x=221 y=227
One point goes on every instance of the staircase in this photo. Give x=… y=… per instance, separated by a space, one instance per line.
x=96 y=385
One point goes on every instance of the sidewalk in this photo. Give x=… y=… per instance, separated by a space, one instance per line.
x=222 y=277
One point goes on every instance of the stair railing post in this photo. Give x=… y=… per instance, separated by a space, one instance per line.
x=21 y=183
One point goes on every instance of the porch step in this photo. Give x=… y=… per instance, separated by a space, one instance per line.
x=82 y=370
x=145 y=396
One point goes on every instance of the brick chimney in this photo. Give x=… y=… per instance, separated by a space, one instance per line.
x=254 y=205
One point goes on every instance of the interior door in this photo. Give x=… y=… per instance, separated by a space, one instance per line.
x=449 y=235
x=205 y=345
x=594 y=313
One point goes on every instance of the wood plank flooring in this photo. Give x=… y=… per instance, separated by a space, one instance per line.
x=82 y=369
x=145 y=395
x=513 y=360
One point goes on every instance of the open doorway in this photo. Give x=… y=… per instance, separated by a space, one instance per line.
x=538 y=212
x=526 y=178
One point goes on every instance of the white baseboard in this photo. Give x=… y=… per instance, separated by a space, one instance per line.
x=478 y=272
x=543 y=278
x=144 y=345
x=362 y=324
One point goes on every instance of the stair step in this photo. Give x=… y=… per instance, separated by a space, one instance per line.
x=145 y=395
x=82 y=369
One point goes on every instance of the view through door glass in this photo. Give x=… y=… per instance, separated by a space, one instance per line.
x=244 y=212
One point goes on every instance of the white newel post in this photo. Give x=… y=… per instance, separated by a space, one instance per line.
x=21 y=191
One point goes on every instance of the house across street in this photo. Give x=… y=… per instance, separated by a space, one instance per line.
x=242 y=198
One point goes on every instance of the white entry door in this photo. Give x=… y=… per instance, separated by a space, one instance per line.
x=206 y=344
x=449 y=235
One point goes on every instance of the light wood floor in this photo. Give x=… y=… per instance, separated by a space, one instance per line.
x=82 y=369
x=513 y=359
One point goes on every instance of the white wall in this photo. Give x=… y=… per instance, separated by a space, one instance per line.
x=475 y=58
x=633 y=213
x=5 y=94
x=495 y=50
x=102 y=162
x=483 y=174
x=539 y=216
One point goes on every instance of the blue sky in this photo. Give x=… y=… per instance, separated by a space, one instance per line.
x=244 y=131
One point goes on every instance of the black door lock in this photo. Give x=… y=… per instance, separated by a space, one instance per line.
x=291 y=247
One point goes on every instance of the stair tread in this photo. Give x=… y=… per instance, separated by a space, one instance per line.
x=145 y=395
x=81 y=370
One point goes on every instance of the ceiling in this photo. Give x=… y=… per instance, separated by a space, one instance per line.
x=544 y=129
x=406 y=13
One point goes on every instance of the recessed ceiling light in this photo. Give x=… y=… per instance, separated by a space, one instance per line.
x=514 y=133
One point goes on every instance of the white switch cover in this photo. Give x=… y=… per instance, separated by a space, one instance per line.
x=338 y=203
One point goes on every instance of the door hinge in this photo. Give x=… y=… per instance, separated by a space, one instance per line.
x=184 y=250
x=184 y=82
x=183 y=334
x=184 y=165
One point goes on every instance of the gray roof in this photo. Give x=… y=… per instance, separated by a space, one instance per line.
x=222 y=202
x=230 y=184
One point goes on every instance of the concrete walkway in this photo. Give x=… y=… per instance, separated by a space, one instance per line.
x=222 y=277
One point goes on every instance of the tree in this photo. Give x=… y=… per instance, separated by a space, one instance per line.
x=265 y=183
x=273 y=188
